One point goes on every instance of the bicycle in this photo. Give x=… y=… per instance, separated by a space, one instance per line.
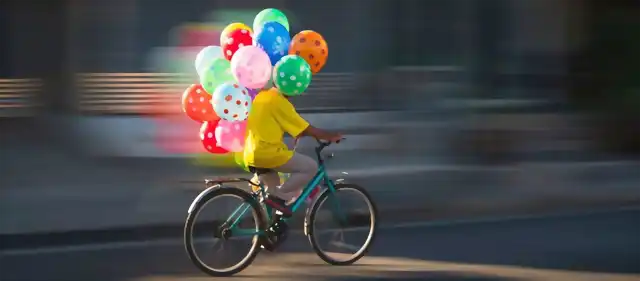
x=263 y=235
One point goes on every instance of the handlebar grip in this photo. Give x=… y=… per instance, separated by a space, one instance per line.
x=322 y=142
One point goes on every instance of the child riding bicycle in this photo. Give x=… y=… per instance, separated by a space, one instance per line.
x=272 y=115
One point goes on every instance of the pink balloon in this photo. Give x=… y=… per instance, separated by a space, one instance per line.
x=251 y=67
x=231 y=134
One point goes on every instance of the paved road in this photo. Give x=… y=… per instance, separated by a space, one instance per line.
x=599 y=246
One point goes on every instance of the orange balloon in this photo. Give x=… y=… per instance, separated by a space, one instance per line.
x=196 y=103
x=312 y=47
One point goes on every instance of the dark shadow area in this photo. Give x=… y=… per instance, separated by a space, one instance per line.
x=597 y=243
x=604 y=243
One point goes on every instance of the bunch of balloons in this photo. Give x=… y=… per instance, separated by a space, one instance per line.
x=246 y=62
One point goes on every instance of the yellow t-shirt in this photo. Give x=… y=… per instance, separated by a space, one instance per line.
x=270 y=117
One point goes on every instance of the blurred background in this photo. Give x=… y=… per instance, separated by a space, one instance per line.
x=535 y=96
x=503 y=74
x=452 y=109
x=493 y=106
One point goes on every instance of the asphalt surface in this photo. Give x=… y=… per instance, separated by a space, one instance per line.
x=589 y=246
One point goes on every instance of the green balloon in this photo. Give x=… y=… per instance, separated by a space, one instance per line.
x=217 y=73
x=292 y=75
x=268 y=15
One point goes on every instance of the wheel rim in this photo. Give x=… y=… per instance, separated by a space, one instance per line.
x=324 y=213
x=221 y=231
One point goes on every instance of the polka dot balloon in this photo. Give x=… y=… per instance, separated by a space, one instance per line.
x=196 y=103
x=235 y=40
x=292 y=75
x=274 y=39
x=231 y=135
x=205 y=58
x=231 y=102
x=251 y=67
x=231 y=27
x=208 y=137
x=268 y=15
x=312 y=47
x=217 y=73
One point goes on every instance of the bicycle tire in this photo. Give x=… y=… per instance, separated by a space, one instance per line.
x=190 y=222
x=312 y=215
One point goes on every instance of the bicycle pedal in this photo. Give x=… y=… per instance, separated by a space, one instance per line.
x=275 y=242
x=267 y=245
x=270 y=242
x=276 y=235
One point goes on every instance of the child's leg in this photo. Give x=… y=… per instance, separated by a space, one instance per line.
x=271 y=181
x=302 y=169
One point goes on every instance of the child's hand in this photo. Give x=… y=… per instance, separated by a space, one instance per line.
x=335 y=137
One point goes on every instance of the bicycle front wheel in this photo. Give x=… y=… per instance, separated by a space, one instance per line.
x=236 y=228
x=336 y=215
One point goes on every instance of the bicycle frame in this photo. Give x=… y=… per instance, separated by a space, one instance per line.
x=239 y=212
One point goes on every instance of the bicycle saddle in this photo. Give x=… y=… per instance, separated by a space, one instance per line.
x=259 y=171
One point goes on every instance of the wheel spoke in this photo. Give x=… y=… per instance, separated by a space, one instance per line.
x=330 y=207
x=344 y=245
x=241 y=239
x=218 y=243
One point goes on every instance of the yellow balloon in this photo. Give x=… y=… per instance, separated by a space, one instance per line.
x=239 y=158
x=232 y=27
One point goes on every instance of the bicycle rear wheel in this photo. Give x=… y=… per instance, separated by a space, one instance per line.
x=330 y=207
x=228 y=228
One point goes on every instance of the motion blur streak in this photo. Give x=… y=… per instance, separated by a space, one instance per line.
x=18 y=97
x=452 y=109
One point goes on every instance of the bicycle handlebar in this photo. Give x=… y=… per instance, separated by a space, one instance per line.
x=323 y=144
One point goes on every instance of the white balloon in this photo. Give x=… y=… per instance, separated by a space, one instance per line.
x=206 y=56
x=231 y=102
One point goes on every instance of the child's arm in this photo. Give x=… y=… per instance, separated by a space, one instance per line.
x=321 y=134
x=292 y=123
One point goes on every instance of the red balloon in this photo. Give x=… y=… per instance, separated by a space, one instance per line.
x=208 y=137
x=235 y=40
x=196 y=103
